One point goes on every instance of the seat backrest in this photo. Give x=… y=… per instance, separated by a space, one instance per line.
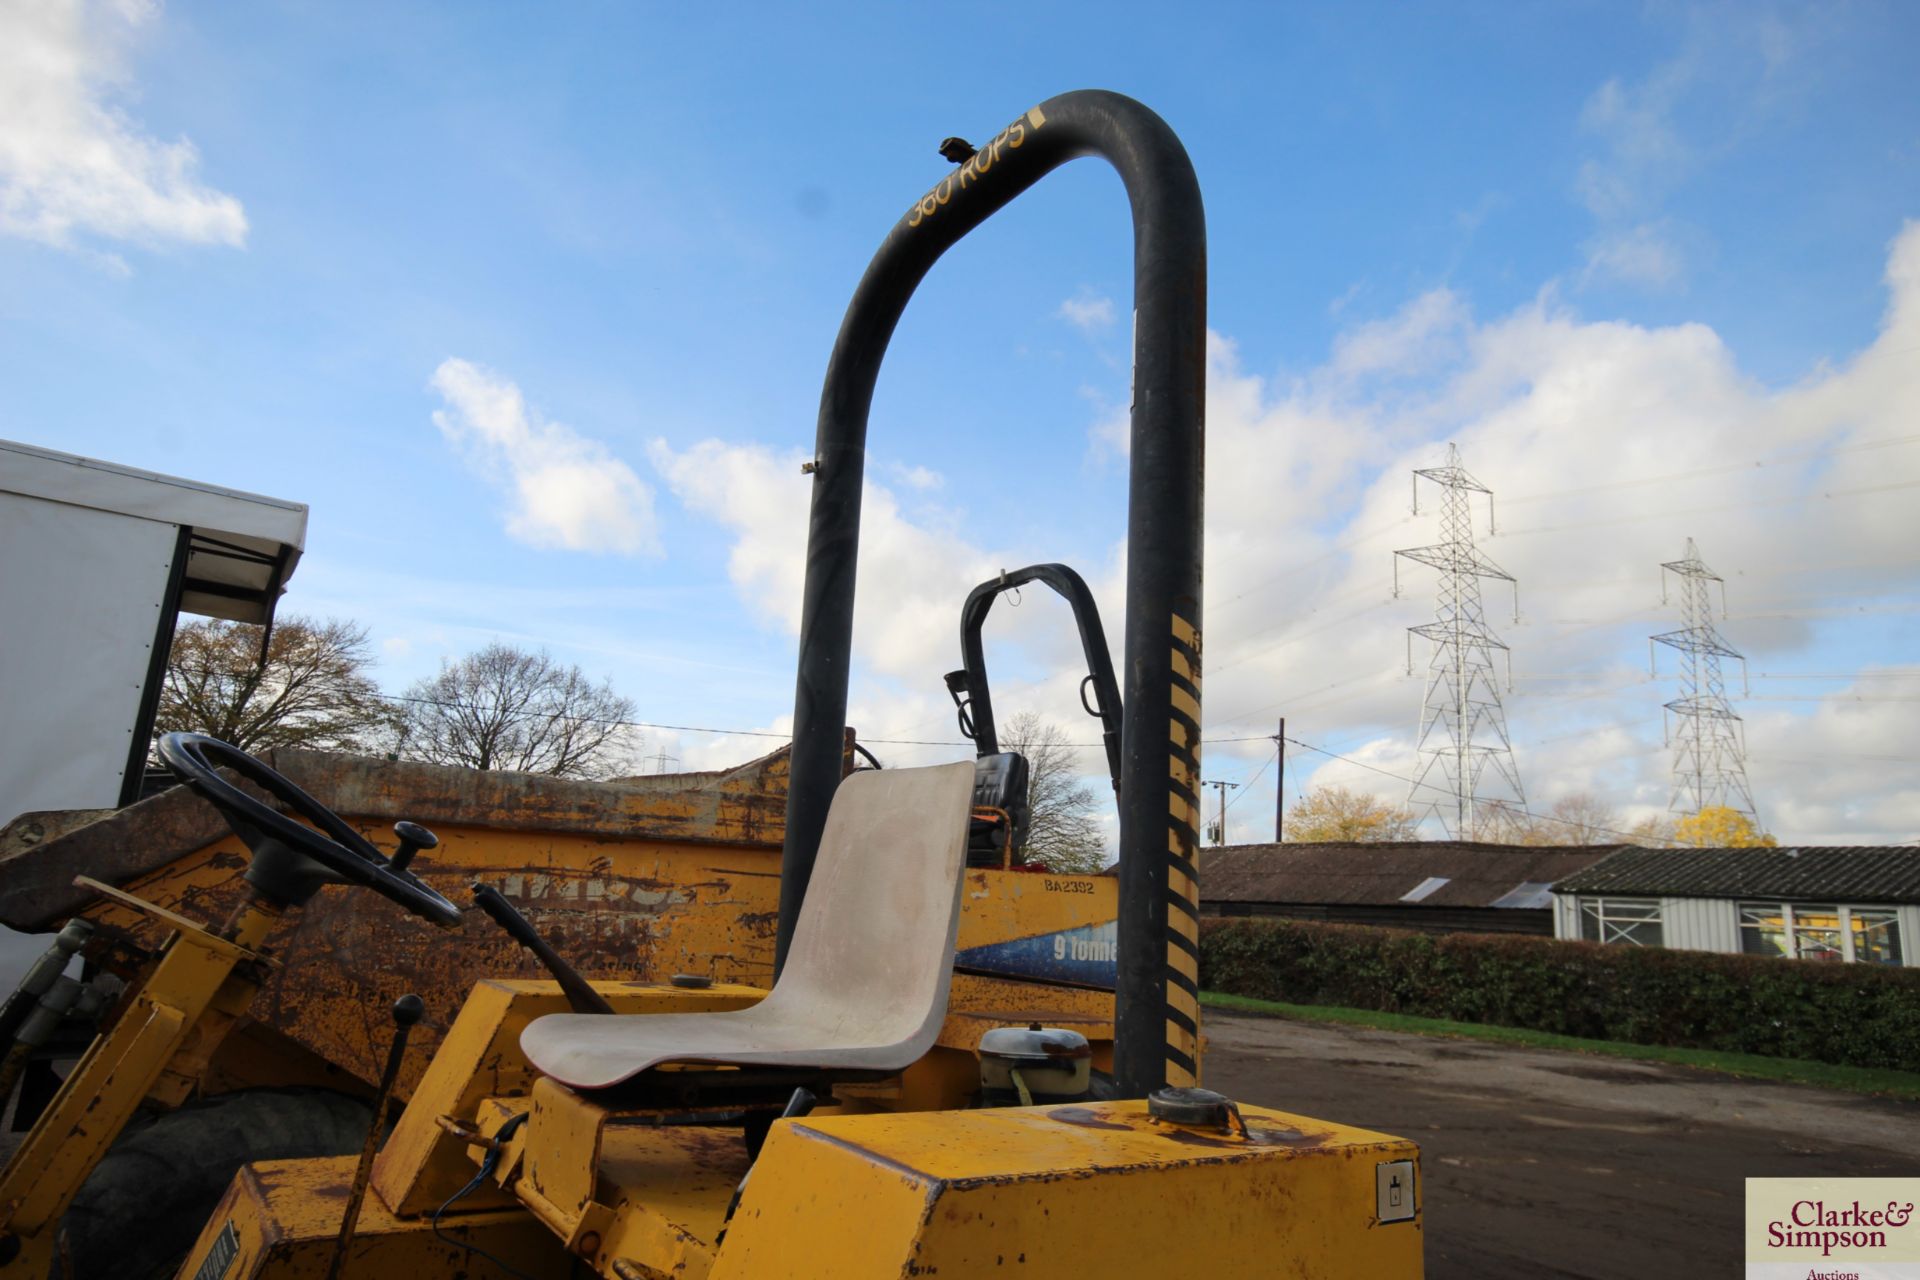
x=873 y=947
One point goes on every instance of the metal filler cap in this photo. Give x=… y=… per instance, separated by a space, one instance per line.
x=1198 y=1107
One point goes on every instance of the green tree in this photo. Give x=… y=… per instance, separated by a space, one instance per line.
x=1064 y=830
x=310 y=689
x=507 y=708
x=1331 y=814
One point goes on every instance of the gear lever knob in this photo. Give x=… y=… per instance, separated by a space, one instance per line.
x=413 y=838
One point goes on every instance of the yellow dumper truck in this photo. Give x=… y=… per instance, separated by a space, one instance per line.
x=888 y=1105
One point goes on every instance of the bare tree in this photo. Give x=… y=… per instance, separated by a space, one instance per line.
x=310 y=690
x=1064 y=831
x=1335 y=814
x=1583 y=818
x=1579 y=819
x=1654 y=832
x=507 y=708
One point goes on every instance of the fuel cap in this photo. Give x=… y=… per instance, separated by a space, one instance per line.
x=1198 y=1107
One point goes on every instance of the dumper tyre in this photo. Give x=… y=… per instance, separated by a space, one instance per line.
x=143 y=1207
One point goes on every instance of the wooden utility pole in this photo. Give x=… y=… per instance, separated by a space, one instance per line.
x=1280 y=783
x=1220 y=827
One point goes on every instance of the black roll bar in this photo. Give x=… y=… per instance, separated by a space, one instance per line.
x=1157 y=1010
x=974 y=694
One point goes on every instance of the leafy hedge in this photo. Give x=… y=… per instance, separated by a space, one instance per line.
x=1852 y=1015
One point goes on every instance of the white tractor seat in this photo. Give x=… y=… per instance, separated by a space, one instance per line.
x=864 y=987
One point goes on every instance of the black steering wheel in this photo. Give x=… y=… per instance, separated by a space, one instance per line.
x=291 y=860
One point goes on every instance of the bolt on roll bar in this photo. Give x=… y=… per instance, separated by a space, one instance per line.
x=1156 y=999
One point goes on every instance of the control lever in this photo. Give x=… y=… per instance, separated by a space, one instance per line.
x=581 y=996
x=413 y=838
x=406 y=1011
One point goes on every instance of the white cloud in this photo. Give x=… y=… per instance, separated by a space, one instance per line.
x=1087 y=311
x=1608 y=445
x=905 y=607
x=1644 y=254
x=1732 y=75
x=1641 y=149
x=916 y=477
x=1641 y=157
x=567 y=490
x=73 y=163
x=1412 y=341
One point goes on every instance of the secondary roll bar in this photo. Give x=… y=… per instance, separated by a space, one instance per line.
x=1157 y=1010
x=974 y=694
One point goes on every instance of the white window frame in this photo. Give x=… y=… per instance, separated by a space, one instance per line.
x=1844 y=911
x=1619 y=924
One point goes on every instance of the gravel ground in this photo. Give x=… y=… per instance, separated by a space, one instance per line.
x=1541 y=1163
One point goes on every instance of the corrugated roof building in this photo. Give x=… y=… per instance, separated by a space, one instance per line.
x=1439 y=886
x=1839 y=904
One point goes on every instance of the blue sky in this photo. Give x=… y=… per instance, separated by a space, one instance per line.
x=1644 y=263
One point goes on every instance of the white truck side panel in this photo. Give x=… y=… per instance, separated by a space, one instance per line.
x=81 y=592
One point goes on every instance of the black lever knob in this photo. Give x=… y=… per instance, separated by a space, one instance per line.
x=413 y=838
x=407 y=1010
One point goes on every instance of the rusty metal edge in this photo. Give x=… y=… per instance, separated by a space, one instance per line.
x=36 y=879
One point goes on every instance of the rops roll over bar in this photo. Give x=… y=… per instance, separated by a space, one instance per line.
x=1157 y=1011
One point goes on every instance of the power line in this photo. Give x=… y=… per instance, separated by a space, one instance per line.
x=1258 y=774
x=1388 y=773
x=1812 y=451
x=783 y=737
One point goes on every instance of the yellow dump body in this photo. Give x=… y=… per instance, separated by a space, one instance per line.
x=634 y=880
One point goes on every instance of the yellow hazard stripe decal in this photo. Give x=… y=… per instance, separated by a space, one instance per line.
x=1183 y=861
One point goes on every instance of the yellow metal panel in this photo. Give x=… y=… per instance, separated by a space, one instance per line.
x=668 y=1190
x=563 y=1163
x=102 y=1093
x=421 y=1163
x=998 y=906
x=1099 y=1190
x=280 y=1219
x=814 y=1208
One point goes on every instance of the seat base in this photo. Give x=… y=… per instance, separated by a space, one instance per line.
x=698 y=1091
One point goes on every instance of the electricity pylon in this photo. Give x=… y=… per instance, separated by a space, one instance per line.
x=1468 y=772
x=1709 y=740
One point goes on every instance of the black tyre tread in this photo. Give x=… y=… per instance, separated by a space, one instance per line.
x=146 y=1202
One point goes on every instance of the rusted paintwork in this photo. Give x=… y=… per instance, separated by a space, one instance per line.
x=280 y=1218
x=633 y=878
x=41 y=852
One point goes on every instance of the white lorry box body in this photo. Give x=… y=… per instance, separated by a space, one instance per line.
x=96 y=562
